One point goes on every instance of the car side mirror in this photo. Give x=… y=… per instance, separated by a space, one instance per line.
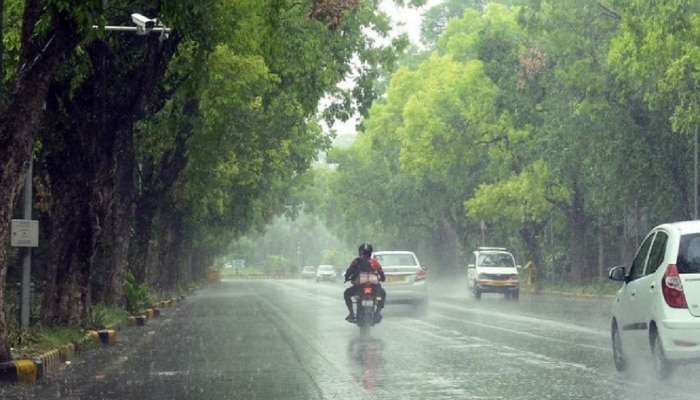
x=424 y=267
x=518 y=266
x=617 y=274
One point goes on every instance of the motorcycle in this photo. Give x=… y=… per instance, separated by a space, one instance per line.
x=366 y=304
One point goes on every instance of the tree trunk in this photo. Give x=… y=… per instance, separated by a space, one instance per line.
x=79 y=193
x=159 y=178
x=577 y=225
x=20 y=118
x=96 y=145
x=447 y=253
x=530 y=235
x=113 y=260
x=141 y=246
x=81 y=143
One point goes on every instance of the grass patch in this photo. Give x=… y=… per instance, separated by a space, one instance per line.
x=104 y=317
x=37 y=340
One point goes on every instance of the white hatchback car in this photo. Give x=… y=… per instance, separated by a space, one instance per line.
x=405 y=278
x=657 y=309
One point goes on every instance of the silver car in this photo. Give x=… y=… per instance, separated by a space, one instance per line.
x=308 y=272
x=326 y=272
x=405 y=278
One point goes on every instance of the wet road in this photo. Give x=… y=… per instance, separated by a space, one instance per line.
x=288 y=340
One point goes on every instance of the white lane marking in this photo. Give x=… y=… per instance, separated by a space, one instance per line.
x=524 y=318
x=517 y=332
x=523 y=356
x=170 y=373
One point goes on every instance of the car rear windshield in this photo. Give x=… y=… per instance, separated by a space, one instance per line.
x=325 y=268
x=688 y=261
x=496 y=260
x=395 y=259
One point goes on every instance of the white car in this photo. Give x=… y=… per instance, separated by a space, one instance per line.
x=326 y=272
x=308 y=272
x=493 y=270
x=405 y=278
x=657 y=309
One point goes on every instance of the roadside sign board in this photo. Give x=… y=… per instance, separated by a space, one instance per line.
x=24 y=233
x=238 y=263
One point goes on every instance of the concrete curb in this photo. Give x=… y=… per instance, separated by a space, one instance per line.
x=37 y=368
x=104 y=336
x=19 y=371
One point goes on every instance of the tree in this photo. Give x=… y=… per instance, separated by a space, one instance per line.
x=50 y=32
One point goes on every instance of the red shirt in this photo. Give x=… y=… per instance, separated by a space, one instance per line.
x=376 y=267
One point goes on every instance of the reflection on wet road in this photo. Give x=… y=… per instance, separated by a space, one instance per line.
x=288 y=340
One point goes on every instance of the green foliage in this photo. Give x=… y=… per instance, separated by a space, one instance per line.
x=532 y=126
x=106 y=316
x=278 y=265
x=38 y=340
x=522 y=198
x=137 y=295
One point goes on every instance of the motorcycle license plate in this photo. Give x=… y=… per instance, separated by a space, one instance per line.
x=367 y=303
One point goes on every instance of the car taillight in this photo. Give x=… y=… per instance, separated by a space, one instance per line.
x=672 y=288
x=421 y=275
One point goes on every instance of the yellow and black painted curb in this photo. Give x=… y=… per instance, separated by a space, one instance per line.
x=35 y=369
x=18 y=371
x=137 y=320
x=104 y=336
x=154 y=311
x=26 y=370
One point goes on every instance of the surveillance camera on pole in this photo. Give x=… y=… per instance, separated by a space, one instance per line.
x=143 y=24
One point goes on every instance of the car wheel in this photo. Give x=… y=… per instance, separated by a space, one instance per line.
x=515 y=295
x=618 y=354
x=477 y=293
x=662 y=367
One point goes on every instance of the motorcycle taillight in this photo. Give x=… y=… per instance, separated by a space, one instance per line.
x=367 y=290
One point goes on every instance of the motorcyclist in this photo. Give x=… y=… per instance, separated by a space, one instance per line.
x=352 y=274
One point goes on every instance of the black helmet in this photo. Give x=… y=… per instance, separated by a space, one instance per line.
x=365 y=249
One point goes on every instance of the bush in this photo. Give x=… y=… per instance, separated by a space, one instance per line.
x=104 y=316
x=137 y=295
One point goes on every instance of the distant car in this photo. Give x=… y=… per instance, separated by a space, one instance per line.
x=493 y=270
x=308 y=272
x=326 y=272
x=657 y=309
x=405 y=278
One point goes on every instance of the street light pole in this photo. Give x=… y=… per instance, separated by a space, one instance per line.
x=27 y=258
